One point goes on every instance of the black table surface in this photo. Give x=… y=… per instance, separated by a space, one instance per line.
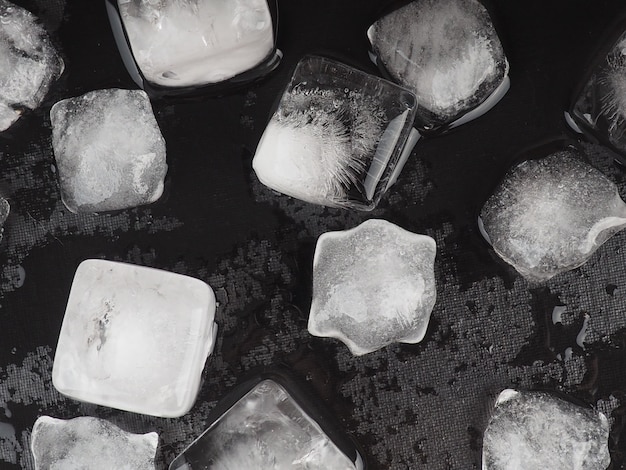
x=408 y=406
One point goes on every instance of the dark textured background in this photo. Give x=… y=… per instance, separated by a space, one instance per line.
x=409 y=406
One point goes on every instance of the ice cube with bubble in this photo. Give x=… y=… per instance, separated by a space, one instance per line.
x=186 y=44
x=537 y=431
x=29 y=63
x=134 y=338
x=109 y=151
x=373 y=285
x=550 y=214
x=338 y=137
x=93 y=443
x=448 y=53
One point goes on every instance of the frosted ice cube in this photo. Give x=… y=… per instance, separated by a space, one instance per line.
x=265 y=429
x=537 y=431
x=28 y=63
x=549 y=215
x=92 y=443
x=109 y=150
x=336 y=137
x=134 y=338
x=182 y=43
x=448 y=53
x=373 y=285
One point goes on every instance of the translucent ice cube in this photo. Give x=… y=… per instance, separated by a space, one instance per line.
x=373 y=285
x=134 y=338
x=537 y=431
x=28 y=63
x=266 y=429
x=182 y=43
x=336 y=137
x=109 y=150
x=448 y=53
x=549 y=215
x=92 y=443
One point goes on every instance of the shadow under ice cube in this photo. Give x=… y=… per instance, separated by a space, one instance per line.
x=134 y=338
x=373 y=285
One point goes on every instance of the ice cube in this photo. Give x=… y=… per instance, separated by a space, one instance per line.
x=28 y=63
x=93 y=443
x=336 y=137
x=266 y=429
x=537 y=431
x=109 y=150
x=373 y=285
x=134 y=338
x=448 y=53
x=549 y=215
x=182 y=43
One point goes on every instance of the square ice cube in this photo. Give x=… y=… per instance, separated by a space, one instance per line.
x=93 y=443
x=191 y=43
x=267 y=428
x=448 y=53
x=373 y=285
x=28 y=63
x=336 y=137
x=134 y=338
x=109 y=150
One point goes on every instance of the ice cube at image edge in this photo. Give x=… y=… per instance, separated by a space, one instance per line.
x=338 y=136
x=265 y=429
x=373 y=285
x=109 y=150
x=448 y=53
x=134 y=338
x=550 y=214
x=537 y=430
x=29 y=63
x=191 y=43
x=86 y=442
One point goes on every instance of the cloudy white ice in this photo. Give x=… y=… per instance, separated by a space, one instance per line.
x=28 y=63
x=537 y=431
x=134 y=338
x=372 y=286
x=180 y=43
x=92 y=443
x=447 y=52
x=550 y=215
x=267 y=430
x=109 y=151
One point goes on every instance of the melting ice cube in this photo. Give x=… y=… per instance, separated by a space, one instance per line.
x=448 y=53
x=109 y=150
x=373 y=285
x=537 y=431
x=28 y=63
x=336 y=137
x=134 y=338
x=265 y=429
x=93 y=443
x=549 y=215
x=183 y=43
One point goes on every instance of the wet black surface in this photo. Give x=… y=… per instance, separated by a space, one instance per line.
x=409 y=406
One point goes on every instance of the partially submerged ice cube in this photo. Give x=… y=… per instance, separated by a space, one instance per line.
x=109 y=151
x=338 y=138
x=192 y=43
x=538 y=431
x=267 y=428
x=373 y=285
x=92 y=443
x=28 y=63
x=549 y=215
x=134 y=338
x=448 y=53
